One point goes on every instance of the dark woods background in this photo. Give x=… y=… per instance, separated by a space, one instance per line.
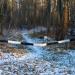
x=57 y=15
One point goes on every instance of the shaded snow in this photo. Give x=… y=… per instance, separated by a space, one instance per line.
x=38 y=29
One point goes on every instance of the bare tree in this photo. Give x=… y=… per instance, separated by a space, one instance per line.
x=63 y=19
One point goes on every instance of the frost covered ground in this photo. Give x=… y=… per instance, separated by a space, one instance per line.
x=38 y=60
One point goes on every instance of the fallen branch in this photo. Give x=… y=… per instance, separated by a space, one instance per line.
x=37 y=44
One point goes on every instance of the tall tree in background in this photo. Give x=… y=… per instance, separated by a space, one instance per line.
x=63 y=18
x=48 y=15
x=59 y=26
x=66 y=17
x=1 y=17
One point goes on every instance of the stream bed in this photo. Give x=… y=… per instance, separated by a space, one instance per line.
x=38 y=60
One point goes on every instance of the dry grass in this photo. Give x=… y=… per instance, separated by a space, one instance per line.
x=16 y=52
x=72 y=45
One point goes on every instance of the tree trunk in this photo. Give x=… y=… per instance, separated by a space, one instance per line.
x=0 y=29
x=66 y=19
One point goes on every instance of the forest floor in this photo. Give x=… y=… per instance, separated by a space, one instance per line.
x=32 y=60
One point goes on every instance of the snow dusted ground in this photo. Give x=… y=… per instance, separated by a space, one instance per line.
x=38 y=61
